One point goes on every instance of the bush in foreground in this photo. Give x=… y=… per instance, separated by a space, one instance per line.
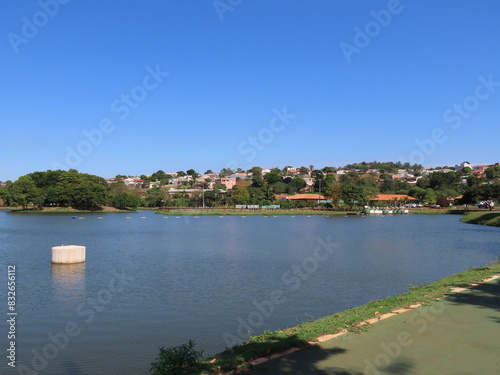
x=176 y=360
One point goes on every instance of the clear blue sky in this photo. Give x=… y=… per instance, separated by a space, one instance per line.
x=65 y=70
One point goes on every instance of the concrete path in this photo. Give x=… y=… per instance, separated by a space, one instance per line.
x=458 y=335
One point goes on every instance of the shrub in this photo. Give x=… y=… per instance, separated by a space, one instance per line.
x=176 y=360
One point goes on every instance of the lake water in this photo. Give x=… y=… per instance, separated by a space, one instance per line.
x=153 y=281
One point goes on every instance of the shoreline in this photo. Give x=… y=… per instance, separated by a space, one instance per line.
x=476 y=216
x=490 y=218
x=64 y=210
x=249 y=212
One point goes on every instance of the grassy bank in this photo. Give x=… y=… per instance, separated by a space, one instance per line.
x=238 y=212
x=482 y=218
x=66 y=210
x=297 y=211
x=269 y=342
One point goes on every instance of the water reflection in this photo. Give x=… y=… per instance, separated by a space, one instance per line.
x=68 y=280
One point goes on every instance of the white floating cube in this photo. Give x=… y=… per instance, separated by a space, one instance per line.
x=68 y=254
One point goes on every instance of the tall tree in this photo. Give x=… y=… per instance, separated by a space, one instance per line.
x=279 y=187
x=155 y=197
x=22 y=192
x=354 y=195
x=272 y=178
x=256 y=171
x=82 y=190
x=241 y=195
x=493 y=173
x=257 y=181
x=333 y=191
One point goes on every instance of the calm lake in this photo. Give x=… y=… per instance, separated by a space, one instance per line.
x=152 y=281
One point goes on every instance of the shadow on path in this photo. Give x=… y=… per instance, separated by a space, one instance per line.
x=321 y=361
x=485 y=295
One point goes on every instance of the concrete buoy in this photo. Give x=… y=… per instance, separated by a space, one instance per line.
x=68 y=254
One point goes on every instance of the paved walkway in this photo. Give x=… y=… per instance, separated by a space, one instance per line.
x=458 y=335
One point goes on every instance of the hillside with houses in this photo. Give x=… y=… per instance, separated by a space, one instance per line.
x=378 y=184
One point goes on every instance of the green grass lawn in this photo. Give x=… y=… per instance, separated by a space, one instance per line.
x=482 y=218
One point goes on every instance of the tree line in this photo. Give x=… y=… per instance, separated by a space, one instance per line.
x=89 y=192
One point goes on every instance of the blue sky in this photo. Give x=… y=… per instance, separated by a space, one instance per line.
x=132 y=87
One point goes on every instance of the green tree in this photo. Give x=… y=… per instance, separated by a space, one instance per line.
x=394 y=187
x=213 y=197
x=333 y=191
x=473 y=180
x=241 y=195
x=226 y=172
x=272 y=178
x=304 y=170
x=471 y=196
x=155 y=197
x=118 y=187
x=161 y=176
x=22 y=192
x=257 y=181
x=256 y=171
x=279 y=187
x=493 y=173
x=296 y=184
x=417 y=192
x=257 y=194
x=467 y=170
x=354 y=195
x=350 y=178
x=423 y=182
x=126 y=201
x=430 y=196
x=218 y=185
x=83 y=191
x=192 y=173
x=329 y=170
x=3 y=195
x=288 y=204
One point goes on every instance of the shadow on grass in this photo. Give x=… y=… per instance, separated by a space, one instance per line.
x=271 y=344
x=485 y=295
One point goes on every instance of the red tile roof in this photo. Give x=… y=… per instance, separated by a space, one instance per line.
x=392 y=197
x=307 y=197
